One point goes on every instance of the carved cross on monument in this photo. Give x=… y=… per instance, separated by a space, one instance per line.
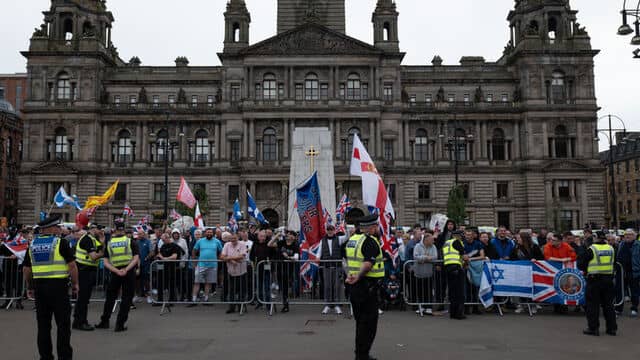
x=312 y=153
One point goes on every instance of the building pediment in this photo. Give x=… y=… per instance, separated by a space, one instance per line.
x=56 y=167
x=311 y=39
x=564 y=165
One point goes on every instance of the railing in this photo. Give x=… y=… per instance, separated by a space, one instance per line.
x=160 y=107
x=11 y=281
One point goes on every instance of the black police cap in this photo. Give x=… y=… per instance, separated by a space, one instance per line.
x=119 y=225
x=368 y=220
x=51 y=221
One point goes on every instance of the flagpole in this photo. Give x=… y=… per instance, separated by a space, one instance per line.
x=51 y=208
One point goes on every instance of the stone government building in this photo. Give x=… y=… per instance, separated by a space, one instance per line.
x=525 y=124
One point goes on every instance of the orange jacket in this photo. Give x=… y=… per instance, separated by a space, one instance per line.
x=564 y=251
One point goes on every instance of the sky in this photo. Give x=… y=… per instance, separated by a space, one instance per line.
x=158 y=31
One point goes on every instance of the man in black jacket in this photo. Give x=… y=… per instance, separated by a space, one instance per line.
x=331 y=260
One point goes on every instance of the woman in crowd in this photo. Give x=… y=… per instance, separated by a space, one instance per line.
x=525 y=250
x=424 y=254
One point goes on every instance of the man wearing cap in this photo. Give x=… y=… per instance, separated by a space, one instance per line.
x=89 y=251
x=365 y=271
x=598 y=262
x=454 y=259
x=121 y=258
x=51 y=262
x=331 y=269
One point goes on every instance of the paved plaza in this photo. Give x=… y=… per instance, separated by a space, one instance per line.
x=207 y=333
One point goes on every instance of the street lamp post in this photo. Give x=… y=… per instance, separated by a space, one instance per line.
x=626 y=29
x=454 y=142
x=166 y=171
x=609 y=134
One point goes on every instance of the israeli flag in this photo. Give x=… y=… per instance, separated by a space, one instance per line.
x=253 y=209
x=237 y=213
x=505 y=278
x=61 y=199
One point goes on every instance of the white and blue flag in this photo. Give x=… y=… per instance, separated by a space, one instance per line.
x=505 y=278
x=237 y=213
x=253 y=210
x=61 y=199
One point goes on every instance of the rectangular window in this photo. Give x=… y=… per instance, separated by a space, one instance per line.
x=505 y=97
x=428 y=99
x=424 y=218
x=116 y=100
x=311 y=90
x=628 y=187
x=342 y=91
x=388 y=150
x=194 y=100
x=281 y=91
x=388 y=93
x=564 y=189
x=626 y=166
x=324 y=91
x=299 y=92
x=629 y=208
x=412 y=100
x=451 y=98
x=235 y=93
x=259 y=94
x=121 y=193
x=638 y=186
x=489 y=97
x=133 y=100
x=1 y=93
x=74 y=91
x=158 y=192
x=504 y=219
x=502 y=190
x=235 y=150
x=199 y=188
x=466 y=98
x=234 y=193
x=638 y=207
x=365 y=91
x=424 y=191
x=620 y=208
x=210 y=100
x=172 y=99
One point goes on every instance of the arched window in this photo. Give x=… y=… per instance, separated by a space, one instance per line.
x=61 y=144
x=67 y=29
x=311 y=87
x=202 y=146
x=552 y=27
x=386 y=32
x=269 y=87
x=561 y=142
x=269 y=148
x=124 y=147
x=87 y=28
x=64 y=86
x=162 y=145
x=557 y=88
x=236 y=32
x=354 y=87
x=420 y=145
x=498 y=145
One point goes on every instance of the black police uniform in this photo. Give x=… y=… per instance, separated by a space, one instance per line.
x=600 y=292
x=52 y=299
x=128 y=285
x=456 y=281
x=87 y=276
x=364 y=299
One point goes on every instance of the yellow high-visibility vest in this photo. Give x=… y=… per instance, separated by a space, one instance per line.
x=82 y=256
x=120 y=251
x=46 y=261
x=355 y=258
x=450 y=255
x=603 y=259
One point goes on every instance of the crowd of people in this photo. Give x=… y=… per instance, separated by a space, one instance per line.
x=215 y=265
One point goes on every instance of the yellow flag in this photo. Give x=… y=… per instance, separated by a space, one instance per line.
x=100 y=200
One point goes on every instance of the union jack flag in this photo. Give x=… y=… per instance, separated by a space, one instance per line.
x=343 y=207
x=386 y=239
x=310 y=255
x=558 y=283
x=128 y=211
x=232 y=224
x=145 y=220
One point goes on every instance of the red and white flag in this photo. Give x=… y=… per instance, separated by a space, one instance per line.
x=128 y=211
x=175 y=215
x=198 y=221
x=374 y=193
x=185 y=195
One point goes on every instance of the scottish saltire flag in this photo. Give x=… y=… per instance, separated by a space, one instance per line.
x=61 y=199
x=312 y=227
x=18 y=246
x=237 y=213
x=253 y=210
x=558 y=283
x=505 y=278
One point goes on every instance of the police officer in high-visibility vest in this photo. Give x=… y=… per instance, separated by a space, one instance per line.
x=598 y=264
x=454 y=259
x=89 y=251
x=51 y=262
x=365 y=266
x=121 y=258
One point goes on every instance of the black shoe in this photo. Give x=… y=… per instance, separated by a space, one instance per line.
x=591 y=332
x=120 y=328
x=83 y=327
x=285 y=309
x=102 y=325
x=611 y=332
x=156 y=304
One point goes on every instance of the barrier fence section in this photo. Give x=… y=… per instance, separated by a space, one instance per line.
x=11 y=281
x=301 y=282
x=202 y=282
x=425 y=285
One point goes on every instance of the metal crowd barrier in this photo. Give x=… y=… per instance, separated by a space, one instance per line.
x=283 y=282
x=174 y=281
x=11 y=281
x=425 y=285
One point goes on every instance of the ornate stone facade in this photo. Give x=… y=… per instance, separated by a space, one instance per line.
x=524 y=124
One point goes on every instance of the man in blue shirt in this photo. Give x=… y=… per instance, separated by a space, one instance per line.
x=504 y=246
x=144 y=246
x=207 y=250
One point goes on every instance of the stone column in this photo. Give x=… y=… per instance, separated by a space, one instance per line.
x=223 y=140
x=218 y=141
x=75 y=149
x=287 y=94
x=372 y=138
x=105 y=142
x=483 y=140
x=579 y=146
x=332 y=81
x=338 y=131
x=516 y=141
x=477 y=141
x=548 y=202
x=545 y=140
x=252 y=139
x=399 y=147
x=378 y=124
x=285 y=144
x=245 y=139
x=406 y=146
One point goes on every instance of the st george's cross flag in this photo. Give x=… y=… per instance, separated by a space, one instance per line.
x=198 y=221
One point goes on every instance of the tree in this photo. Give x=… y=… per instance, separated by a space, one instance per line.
x=200 y=195
x=456 y=206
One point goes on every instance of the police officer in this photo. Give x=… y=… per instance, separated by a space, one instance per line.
x=365 y=271
x=51 y=262
x=121 y=258
x=598 y=262
x=89 y=250
x=454 y=259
